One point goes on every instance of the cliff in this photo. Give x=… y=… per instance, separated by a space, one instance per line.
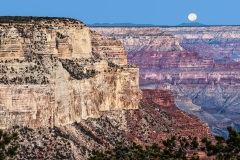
x=56 y=71
x=156 y=119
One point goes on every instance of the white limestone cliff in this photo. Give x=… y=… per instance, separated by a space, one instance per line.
x=54 y=72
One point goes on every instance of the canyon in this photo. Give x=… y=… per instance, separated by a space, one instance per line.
x=199 y=66
x=66 y=90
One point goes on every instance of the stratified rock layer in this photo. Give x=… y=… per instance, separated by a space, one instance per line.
x=148 y=39
x=199 y=65
x=156 y=119
x=56 y=71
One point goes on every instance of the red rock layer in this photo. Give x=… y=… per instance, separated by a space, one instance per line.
x=158 y=118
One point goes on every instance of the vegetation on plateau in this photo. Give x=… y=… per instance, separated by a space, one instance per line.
x=176 y=148
x=224 y=149
x=181 y=148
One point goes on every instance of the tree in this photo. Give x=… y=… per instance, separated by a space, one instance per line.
x=174 y=148
x=224 y=148
x=8 y=145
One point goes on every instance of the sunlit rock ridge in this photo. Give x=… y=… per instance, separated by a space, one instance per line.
x=56 y=71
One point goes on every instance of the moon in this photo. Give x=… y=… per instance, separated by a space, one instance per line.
x=192 y=17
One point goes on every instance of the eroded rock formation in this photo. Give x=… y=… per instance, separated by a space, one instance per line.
x=56 y=71
x=156 y=119
x=198 y=65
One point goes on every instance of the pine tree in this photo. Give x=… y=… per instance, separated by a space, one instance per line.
x=8 y=145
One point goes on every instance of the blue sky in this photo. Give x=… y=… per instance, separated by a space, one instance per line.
x=159 y=12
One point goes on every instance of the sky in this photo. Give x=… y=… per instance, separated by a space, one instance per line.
x=158 y=12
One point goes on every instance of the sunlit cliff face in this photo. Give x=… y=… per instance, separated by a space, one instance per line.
x=55 y=72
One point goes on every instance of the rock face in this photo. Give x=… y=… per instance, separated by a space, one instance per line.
x=56 y=71
x=156 y=119
x=198 y=65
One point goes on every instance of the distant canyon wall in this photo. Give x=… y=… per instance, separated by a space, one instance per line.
x=201 y=54
x=198 y=65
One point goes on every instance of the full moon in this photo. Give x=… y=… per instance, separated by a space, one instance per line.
x=192 y=17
